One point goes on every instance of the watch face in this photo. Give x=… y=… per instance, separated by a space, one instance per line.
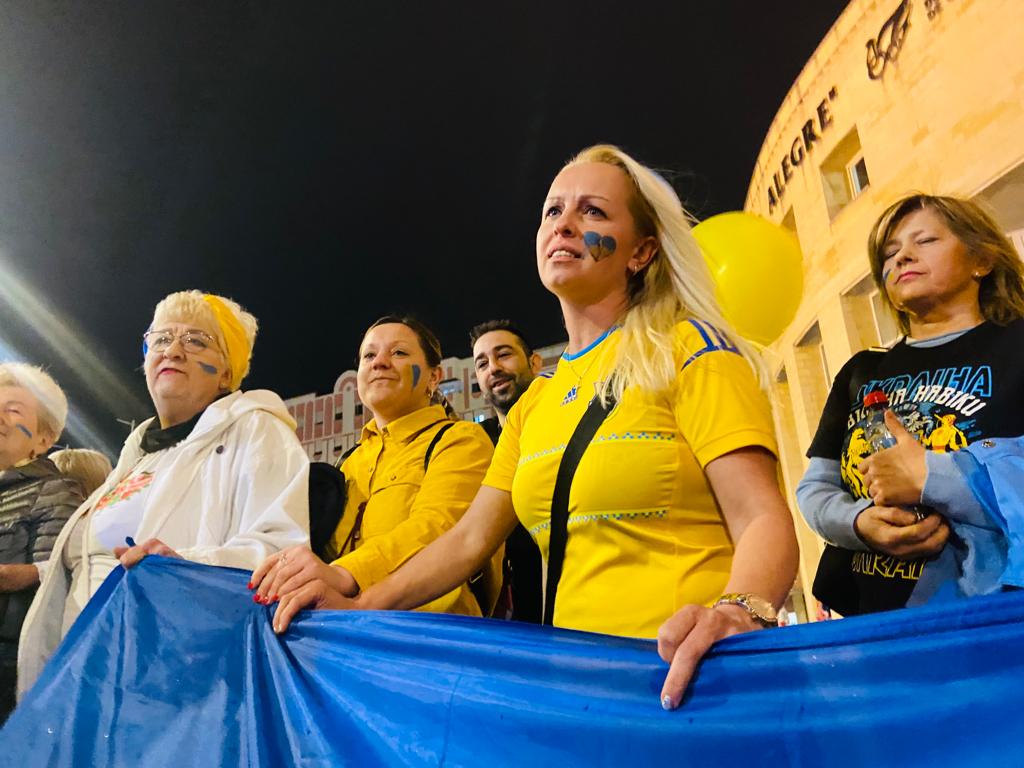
x=762 y=607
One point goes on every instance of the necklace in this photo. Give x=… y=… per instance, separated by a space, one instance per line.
x=574 y=390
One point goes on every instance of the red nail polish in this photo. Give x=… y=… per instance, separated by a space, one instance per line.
x=273 y=599
x=250 y=585
x=255 y=598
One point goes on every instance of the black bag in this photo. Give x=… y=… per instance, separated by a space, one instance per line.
x=834 y=584
x=327 y=494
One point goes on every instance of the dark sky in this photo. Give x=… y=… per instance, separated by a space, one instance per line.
x=325 y=163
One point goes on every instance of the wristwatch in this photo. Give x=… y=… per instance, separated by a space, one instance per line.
x=760 y=610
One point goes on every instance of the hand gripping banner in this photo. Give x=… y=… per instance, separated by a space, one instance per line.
x=172 y=664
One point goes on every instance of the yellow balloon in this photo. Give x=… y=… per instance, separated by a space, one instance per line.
x=758 y=272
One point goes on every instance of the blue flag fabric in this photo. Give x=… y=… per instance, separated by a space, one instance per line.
x=172 y=664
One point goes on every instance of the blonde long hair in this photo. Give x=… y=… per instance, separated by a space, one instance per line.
x=675 y=285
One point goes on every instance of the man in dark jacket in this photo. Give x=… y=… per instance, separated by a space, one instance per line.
x=35 y=501
x=505 y=365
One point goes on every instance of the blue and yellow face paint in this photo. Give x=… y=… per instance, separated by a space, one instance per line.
x=599 y=246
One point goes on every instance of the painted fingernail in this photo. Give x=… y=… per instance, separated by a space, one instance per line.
x=249 y=585
x=256 y=598
x=666 y=703
x=273 y=599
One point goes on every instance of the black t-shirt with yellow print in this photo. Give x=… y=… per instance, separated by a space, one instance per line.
x=948 y=396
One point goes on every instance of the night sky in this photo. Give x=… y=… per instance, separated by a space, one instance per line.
x=326 y=163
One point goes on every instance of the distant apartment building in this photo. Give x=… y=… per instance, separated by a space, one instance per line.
x=328 y=425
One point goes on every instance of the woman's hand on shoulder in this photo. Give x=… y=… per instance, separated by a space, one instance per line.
x=291 y=569
x=133 y=555
x=901 y=533
x=687 y=635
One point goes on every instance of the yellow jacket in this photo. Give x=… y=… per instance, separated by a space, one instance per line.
x=405 y=508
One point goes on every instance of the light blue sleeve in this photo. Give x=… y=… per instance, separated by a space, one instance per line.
x=947 y=491
x=994 y=472
x=827 y=507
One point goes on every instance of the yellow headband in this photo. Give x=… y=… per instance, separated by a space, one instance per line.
x=237 y=349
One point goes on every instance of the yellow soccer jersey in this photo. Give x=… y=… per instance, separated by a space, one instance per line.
x=645 y=533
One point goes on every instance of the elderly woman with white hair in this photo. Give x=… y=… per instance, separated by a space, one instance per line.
x=217 y=477
x=35 y=500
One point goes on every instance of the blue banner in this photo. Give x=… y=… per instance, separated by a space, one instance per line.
x=172 y=664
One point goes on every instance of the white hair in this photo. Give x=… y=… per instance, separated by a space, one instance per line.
x=53 y=404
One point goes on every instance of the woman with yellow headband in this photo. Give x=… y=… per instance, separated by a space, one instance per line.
x=217 y=477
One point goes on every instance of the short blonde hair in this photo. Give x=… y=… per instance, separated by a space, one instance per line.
x=191 y=307
x=89 y=467
x=53 y=403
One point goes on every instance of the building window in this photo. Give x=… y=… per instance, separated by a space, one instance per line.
x=844 y=173
x=450 y=387
x=475 y=388
x=1017 y=238
x=789 y=221
x=358 y=410
x=869 y=322
x=857 y=175
x=813 y=373
x=885 y=324
x=318 y=418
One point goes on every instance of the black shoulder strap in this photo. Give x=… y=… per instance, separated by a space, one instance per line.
x=433 y=443
x=345 y=455
x=581 y=437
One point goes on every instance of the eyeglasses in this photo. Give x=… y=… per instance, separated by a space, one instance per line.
x=191 y=341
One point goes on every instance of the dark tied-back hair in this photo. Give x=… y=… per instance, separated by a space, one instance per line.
x=500 y=325
x=428 y=340
x=1001 y=291
x=430 y=346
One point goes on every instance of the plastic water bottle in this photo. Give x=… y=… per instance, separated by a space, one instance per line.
x=876 y=433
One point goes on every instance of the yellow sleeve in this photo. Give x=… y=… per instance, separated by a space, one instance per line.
x=452 y=480
x=506 y=454
x=718 y=404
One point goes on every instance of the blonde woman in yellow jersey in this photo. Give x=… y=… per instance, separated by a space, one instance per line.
x=675 y=503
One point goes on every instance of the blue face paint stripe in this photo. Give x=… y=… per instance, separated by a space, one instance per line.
x=207 y=368
x=415 y=376
x=24 y=429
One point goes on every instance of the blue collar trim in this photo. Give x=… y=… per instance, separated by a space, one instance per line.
x=590 y=346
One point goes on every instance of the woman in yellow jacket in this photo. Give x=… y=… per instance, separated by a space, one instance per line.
x=412 y=476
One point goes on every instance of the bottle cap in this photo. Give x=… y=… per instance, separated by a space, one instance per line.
x=874 y=398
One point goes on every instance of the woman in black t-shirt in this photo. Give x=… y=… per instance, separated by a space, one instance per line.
x=956 y=286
